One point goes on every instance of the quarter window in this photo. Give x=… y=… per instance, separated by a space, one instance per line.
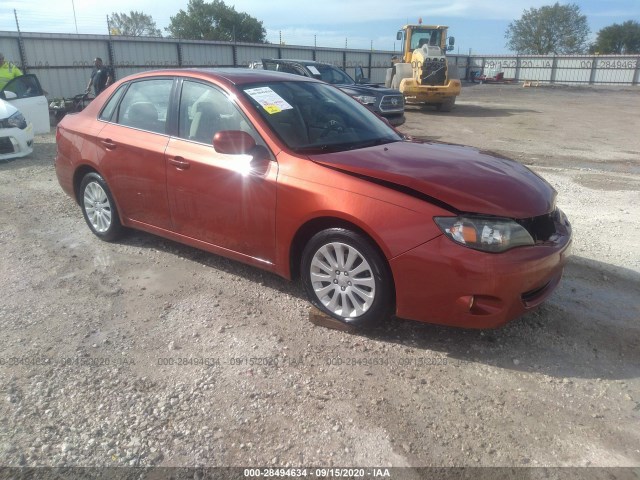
x=107 y=111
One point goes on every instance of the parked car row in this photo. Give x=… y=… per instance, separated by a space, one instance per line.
x=386 y=102
x=24 y=108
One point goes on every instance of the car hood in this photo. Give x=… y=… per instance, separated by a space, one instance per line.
x=464 y=179
x=6 y=109
x=374 y=90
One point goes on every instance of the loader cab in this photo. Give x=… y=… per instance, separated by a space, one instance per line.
x=415 y=36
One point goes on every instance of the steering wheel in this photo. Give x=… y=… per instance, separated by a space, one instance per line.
x=334 y=124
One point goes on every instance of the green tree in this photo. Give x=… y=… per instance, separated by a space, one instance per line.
x=215 y=21
x=557 y=29
x=618 y=39
x=136 y=24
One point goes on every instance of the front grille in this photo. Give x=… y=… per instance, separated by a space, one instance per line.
x=541 y=228
x=434 y=72
x=392 y=103
x=6 y=146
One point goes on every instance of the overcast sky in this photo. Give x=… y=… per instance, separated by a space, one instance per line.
x=478 y=25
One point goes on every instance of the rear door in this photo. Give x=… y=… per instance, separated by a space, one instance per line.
x=131 y=149
x=26 y=94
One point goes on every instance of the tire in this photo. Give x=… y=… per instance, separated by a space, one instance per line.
x=346 y=277
x=402 y=71
x=98 y=208
x=447 y=105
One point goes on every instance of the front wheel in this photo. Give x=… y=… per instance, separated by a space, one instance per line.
x=98 y=208
x=346 y=277
x=447 y=105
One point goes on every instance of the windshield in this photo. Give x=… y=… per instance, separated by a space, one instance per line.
x=426 y=37
x=330 y=74
x=312 y=117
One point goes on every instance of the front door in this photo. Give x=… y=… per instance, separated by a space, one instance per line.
x=212 y=197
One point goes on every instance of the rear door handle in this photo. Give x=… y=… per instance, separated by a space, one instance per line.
x=108 y=144
x=179 y=162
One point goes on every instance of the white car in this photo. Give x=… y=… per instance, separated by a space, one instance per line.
x=24 y=111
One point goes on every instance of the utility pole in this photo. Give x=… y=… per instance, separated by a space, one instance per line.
x=74 y=15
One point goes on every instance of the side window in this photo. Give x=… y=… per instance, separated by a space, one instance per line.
x=24 y=86
x=289 y=69
x=109 y=108
x=145 y=105
x=206 y=110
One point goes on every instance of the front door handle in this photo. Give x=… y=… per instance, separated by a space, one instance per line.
x=179 y=162
x=108 y=144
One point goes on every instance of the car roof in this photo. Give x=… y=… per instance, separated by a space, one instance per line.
x=236 y=76
x=301 y=62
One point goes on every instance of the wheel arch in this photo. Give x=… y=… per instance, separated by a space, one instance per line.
x=78 y=175
x=315 y=225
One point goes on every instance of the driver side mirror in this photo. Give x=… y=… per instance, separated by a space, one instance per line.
x=452 y=42
x=233 y=142
x=237 y=142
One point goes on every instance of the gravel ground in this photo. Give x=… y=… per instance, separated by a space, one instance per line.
x=149 y=353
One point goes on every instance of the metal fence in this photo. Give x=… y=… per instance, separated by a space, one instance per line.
x=63 y=62
x=570 y=69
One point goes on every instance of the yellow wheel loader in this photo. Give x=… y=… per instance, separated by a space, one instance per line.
x=422 y=73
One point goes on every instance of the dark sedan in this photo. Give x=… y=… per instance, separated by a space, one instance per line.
x=386 y=102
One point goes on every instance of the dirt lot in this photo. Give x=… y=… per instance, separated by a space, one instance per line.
x=145 y=352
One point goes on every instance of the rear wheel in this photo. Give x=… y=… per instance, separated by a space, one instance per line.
x=98 y=208
x=346 y=277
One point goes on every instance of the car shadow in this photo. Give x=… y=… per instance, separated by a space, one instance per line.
x=468 y=110
x=143 y=240
x=588 y=328
x=42 y=156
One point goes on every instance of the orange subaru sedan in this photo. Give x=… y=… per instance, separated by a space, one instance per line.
x=291 y=175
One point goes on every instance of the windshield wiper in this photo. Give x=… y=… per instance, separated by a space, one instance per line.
x=373 y=143
x=341 y=147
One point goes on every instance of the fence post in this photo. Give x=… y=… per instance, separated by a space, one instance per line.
x=518 y=67
x=636 y=74
x=592 y=76
x=179 y=49
x=369 y=69
x=21 y=49
x=315 y=45
x=554 y=67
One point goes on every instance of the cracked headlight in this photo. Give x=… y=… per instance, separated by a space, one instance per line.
x=488 y=234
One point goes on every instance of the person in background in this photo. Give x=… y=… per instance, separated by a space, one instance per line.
x=8 y=71
x=101 y=77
